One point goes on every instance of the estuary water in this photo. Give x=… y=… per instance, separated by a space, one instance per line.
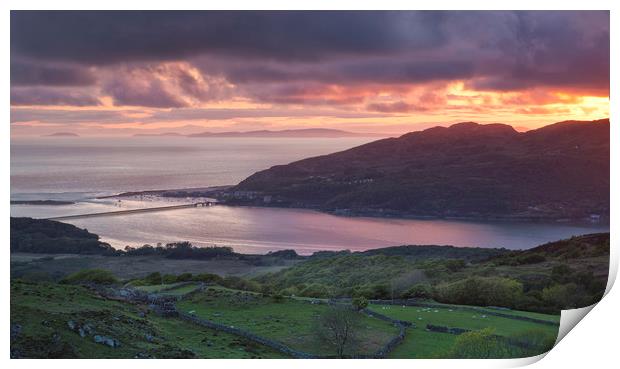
x=81 y=169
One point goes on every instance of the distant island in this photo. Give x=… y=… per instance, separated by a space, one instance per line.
x=41 y=202
x=308 y=132
x=164 y=134
x=63 y=134
x=465 y=171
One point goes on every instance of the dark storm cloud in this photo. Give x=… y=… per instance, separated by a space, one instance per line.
x=561 y=49
x=153 y=96
x=357 y=72
x=29 y=74
x=102 y=37
x=49 y=96
x=266 y=53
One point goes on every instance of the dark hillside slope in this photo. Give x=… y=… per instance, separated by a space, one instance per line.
x=51 y=237
x=465 y=170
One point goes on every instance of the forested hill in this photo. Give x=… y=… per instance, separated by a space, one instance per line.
x=465 y=170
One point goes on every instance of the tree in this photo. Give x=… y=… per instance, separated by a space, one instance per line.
x=359 y=303
x=560 y=296
x=339 y=327
x=482 y=344
x=420 y=291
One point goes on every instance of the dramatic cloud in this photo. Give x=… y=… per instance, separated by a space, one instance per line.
x=102 y=37
x=48 y=96
x=27 y=74
x=21 y=115
x=387 y=63
x=396 y=107
x=168 y=85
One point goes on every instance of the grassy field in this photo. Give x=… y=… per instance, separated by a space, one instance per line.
x=420 y=343
x=528 y=314
x=43 y=312
x=174 y=289
x=56 y=266
x=289 y=321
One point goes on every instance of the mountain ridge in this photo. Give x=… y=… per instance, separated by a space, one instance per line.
x=304 y=132
x=467 y=170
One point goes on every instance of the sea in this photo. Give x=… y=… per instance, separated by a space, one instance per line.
x=82 y=169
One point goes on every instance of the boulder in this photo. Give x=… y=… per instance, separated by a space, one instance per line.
x=108 y=341
x=16 y=330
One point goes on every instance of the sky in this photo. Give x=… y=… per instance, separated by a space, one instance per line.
x=120 y=73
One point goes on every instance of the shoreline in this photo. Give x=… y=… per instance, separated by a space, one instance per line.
x=213 y=192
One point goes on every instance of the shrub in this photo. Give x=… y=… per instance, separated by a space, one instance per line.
x=560 y=296
x=455 y=265
x=208 y=278
x=290 y=291
x=315 y=290
x=96 y=276
x=482 y=344
x=169 y=278
x=531 y=259
x=239 y=283
x=481 y=291
x=153 y=278
x=561 y=273
x=185 y=277
x=534 y=341
x=420 y=290
x=359 y=303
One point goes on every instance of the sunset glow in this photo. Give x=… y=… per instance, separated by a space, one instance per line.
x=404 y=71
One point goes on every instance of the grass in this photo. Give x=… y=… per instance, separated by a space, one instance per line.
x=25 y=264
x=458 y=318
x=290 y=321
x=527 y=314
x=169 y=289
x=420 y=343
x=44 y=310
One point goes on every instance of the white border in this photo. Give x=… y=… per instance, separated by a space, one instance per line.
x=594 y=342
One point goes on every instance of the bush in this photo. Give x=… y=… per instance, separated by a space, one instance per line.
x=169 y=279
x=185 y=277
x=208 y=278
x=238 y=283
x=96 y=276
x=482 y=344
x=359 y=303
x=419 y=291
x=560 y=296
x=534 y=341
x=315 y=290
x=561 y=273
x=455 y=265
x=481 y=291
x=531 y=259
x=181 y=250
x=152 y=279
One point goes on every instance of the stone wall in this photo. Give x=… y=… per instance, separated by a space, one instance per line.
x=442 y=329
x=414 y=302
x=248 y=335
